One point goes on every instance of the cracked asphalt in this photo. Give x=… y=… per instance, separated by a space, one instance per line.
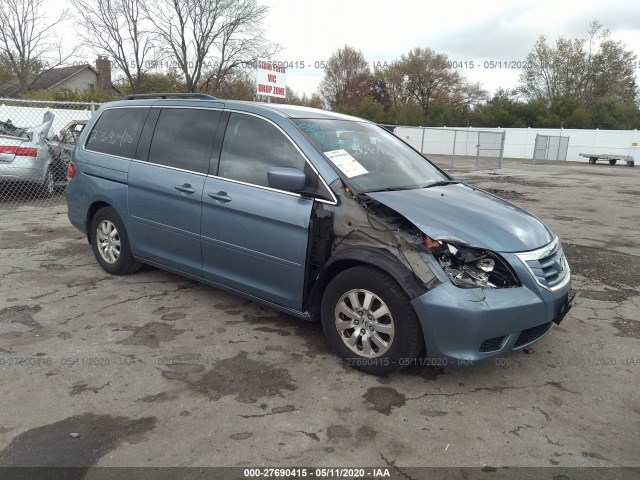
x=158 y=370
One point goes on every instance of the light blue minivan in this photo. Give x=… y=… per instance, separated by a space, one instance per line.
x=322 y=216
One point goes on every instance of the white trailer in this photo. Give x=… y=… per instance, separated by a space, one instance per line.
x=613 y=159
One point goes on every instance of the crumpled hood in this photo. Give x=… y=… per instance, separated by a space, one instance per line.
x=39 y=133
x=477 y=218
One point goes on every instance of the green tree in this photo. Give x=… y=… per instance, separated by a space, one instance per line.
x=409 y=114
x=68 y=95
x=422 y=78
x=6 y=74
x=607 y=113
x=568 y=111
x=168 y=82
x=393 y=78
x=448 y=114
x=304 y=100
x=236 y=85
x=506 y=110
x=367 y=109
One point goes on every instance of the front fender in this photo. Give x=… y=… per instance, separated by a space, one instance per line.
x=353 y=255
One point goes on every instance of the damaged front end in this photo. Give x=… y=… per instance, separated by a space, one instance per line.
x=473 y=303
x=469 y=267
x=364 y=223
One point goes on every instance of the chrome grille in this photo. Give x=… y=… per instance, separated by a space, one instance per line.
x=548 y=265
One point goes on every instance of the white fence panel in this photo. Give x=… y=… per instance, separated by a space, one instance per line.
x=31 y=116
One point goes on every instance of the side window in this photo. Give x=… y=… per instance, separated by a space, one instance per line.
x=117 y=131
x=251 y=146
x=183 y=138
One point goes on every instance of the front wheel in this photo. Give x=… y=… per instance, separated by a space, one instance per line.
x=110 y=243
x=368 y=320
x=613 y=161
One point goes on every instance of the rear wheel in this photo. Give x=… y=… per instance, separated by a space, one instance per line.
x=48 y=187
x=613 y=161
x=592 y=160
x=369 y=321
x=111 y=244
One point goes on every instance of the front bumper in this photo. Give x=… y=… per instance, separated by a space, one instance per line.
x=465 y=326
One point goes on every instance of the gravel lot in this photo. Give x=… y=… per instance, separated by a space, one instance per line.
x=157 y=370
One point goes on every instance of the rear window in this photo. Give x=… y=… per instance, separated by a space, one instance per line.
x=117 y=131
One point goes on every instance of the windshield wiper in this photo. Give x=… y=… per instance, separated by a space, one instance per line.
x=412 y=187
x=441 y=183
x=394 y=189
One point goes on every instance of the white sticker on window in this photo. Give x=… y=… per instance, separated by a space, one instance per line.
x=346 y=163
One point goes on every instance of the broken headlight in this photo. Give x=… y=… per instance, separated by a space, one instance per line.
x=471 y=267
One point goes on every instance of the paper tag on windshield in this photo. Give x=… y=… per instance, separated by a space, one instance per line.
x=346 y=163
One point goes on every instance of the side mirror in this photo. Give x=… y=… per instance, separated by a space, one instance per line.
x=286 y=178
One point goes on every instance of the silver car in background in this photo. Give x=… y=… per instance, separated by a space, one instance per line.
x=25 y=157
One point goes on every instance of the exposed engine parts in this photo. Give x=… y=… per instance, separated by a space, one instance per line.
x=472 y=268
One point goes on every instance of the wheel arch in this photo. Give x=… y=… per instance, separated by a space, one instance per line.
x=353 y=256
x=91 y=212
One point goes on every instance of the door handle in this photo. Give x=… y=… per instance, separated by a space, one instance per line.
x=186 y=188
x=221 y=197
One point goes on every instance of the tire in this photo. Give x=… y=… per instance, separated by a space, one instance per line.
x=381 y=343
x=630 y=163
x=592 y=160
x=110 y=243
x=613 y=161
x=48 y=187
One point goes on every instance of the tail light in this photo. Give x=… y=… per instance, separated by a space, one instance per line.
x=71 y=170
x=19 y=151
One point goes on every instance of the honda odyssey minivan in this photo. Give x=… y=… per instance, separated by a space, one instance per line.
x=320 y=215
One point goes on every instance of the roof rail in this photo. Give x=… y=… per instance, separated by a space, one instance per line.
x=200 y=96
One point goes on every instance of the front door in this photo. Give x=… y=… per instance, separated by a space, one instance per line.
x=254 y=238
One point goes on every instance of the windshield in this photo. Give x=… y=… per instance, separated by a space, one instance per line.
x=369 y=156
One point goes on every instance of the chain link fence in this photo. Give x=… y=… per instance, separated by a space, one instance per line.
x=455 y=149
x=36 y=142
x=550 y=148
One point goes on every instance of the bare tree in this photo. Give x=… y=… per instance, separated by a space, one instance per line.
x=194 y=32
x=241 y=43
x=587 y=68
x=347 y=78
x=26 y=39
x=119 y=28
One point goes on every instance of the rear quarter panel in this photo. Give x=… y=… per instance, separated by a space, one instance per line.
x=99 y=178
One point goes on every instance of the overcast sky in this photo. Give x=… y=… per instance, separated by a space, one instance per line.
x=465 y=30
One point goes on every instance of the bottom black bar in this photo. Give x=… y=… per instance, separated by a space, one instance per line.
x=324 y=473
